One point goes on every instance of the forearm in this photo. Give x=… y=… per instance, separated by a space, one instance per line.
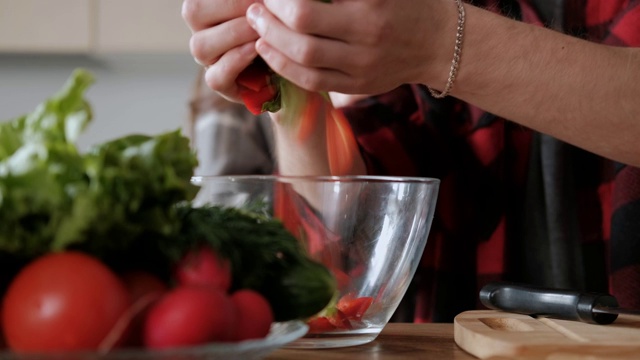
x=307 y=158
x=578 y=91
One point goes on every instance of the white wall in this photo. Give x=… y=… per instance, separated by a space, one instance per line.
x=133 y=93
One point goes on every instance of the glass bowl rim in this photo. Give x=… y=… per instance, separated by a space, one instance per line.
x=321 y=178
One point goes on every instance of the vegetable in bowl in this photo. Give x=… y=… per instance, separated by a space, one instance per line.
x=127 y=206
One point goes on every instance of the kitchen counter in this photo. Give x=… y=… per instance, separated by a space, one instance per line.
x=397 y=341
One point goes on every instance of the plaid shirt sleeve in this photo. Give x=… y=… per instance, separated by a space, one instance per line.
x=482 y=163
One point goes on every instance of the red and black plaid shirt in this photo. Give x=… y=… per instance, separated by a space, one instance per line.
x=484 y=163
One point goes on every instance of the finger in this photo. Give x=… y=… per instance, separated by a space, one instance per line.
x=201 y=14
x=307 y=50
x=330 y=20
x=312 y=79
x=221 y=76
x=209 y=44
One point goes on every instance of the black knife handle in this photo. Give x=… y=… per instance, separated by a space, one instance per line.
x=556 y=303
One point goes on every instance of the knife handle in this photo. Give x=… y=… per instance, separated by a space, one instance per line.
x=556 y=303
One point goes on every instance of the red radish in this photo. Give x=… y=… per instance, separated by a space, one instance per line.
x=189 y=315
x=128 y=329
x=62 y=302
x=144 y=289
x=203 y=267
x=254 y=315
x=142 y=283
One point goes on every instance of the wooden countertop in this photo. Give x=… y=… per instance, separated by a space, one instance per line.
x=397 y=341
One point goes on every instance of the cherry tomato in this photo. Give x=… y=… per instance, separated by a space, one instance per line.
x=189 y=315
x=62 y=301
x=254 y=315
x=203 y=267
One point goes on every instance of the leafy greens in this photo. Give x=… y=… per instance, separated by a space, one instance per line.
x=53 y=197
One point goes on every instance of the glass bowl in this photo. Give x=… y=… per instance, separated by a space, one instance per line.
x=280 y=335
x=369 y=231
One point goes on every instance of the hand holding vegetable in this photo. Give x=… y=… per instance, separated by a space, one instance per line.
x=354 y=46
x=237 y=74
x=222 y=41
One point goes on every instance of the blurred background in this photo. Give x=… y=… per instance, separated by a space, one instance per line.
x=138 y=51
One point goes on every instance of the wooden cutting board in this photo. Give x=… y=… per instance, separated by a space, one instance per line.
x=489 y=334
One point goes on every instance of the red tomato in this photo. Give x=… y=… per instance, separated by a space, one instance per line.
x=62 y=301
x=189 y=315
x=203 y=267
x=254 y=315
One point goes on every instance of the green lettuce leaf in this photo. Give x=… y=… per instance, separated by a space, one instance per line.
x=52 y=197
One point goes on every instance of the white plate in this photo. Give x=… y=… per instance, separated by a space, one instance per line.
x=280 y=335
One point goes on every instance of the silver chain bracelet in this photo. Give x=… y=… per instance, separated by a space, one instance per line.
x=455 y=63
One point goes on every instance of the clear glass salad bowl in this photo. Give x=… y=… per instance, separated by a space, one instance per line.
x=369 y=231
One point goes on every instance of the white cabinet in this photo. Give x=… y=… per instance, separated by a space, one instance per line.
x=45 y=26
x=141 y=26
x=92 y=26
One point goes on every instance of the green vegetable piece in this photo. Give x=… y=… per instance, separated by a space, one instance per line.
x=264 y=257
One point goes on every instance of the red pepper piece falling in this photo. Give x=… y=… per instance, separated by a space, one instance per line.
x=261 y=89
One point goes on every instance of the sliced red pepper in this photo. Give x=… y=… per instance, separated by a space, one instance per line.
x=310 y=114
x=256 y=101
x=341 y=143
x=354 y=307
x=320 y=324
x=340 y=320
x=255 y=76
x=342 y=279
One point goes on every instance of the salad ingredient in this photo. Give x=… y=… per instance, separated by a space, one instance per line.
x=141 y=283
x=341 y=143
x=125 y=204
x=345 y=313
x=189 y=315
x=145 y=289
x=320 y=324
x=62 y=301
x=203 y=267
x=254 y=315
x=119 y=192
x=354 y=307
x=261 y=89
x=264 y=257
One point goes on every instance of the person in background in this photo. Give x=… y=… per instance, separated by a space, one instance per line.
x=536 y=146
x=227 y=138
